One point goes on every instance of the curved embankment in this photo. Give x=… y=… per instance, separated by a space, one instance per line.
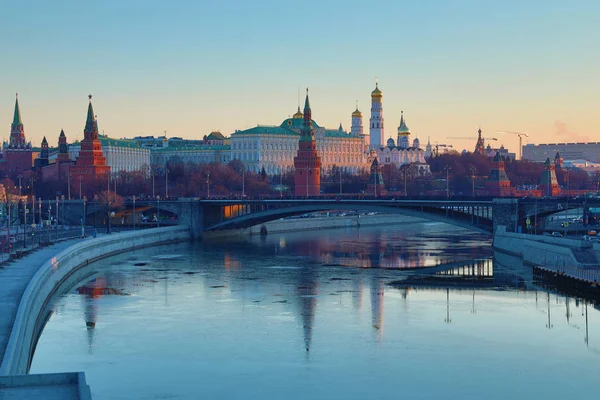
x=30 y=315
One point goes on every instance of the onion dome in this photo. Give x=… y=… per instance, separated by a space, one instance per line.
x=390 y=142
x=416 y=143
x=376 y=92
x=357 y=113
x=298 y=114
x=403 y=129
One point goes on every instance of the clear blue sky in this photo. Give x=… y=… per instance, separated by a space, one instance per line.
x=189 y=67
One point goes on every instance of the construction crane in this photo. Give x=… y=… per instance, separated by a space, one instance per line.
x=520 y=135
x=437 y=146
x=471 y=138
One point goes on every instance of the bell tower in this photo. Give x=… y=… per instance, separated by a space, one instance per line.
x=376 y=128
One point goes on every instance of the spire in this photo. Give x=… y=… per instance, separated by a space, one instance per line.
x=306 y=102
x=62 y=133
x=90 y=113
x=401 y=118
x=44 y=141
x=17 y=118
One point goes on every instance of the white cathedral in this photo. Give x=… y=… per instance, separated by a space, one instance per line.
x=397 y=153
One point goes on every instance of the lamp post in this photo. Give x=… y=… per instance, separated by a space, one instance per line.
x=20 y=186
x=83 y=218
x=280 y=182
x=405 y=176
x=8 y=204
x=566 y=223
x=24 y=225
x=134 y=212
x=243 y=181
x=153 y=195
x=166 y=183
x=158 y=211
x=208 y=184
x=57 y=218
x=340 y=181
x=40 y=216
x=69 y=185
x=447 y=168
x=473 y=170
x=80 y=178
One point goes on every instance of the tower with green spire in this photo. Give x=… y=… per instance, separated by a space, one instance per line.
x=307 y=177
x=17 y=152
x=90 y=166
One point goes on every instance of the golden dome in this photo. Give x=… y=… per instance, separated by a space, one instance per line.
x=357 y=113
x=376 y=92
x=298 y=114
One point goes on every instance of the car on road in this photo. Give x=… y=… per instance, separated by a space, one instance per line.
x=556 y=234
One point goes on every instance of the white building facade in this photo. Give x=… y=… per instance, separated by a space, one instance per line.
x=274 y=147
x=403 y=153
x=376 y=125
x=569 y=151
x=122 y=155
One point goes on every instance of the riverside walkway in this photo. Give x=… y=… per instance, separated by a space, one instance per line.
x=14 y=278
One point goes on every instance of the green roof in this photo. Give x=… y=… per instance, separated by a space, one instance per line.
x=193 y=148
x=296 y=123
x=268 y=130
x=106 y=141
x=338 y=133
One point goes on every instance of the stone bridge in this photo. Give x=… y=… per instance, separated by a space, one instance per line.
x=212 y=215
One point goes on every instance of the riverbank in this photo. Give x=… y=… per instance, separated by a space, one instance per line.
x=24 y=311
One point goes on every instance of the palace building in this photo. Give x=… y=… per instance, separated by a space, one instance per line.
x=274 y=147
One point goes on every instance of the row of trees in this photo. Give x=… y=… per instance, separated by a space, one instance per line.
x=178 y=179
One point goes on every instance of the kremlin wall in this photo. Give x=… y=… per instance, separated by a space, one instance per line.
x=297 y=145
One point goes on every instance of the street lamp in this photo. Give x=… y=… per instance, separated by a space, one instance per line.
x=473 y=170
x=243 y=181
x=80 y=178
x=83 y=219
x=134 y=212
x=340 y=181
x=447 y=168
x=166 y=183
x=69 y=185
x=208 y=184
x=306 y=170
x=20 y=186
x=158 y=211
x=405 y=176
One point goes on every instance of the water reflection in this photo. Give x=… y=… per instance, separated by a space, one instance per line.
x=304 y=313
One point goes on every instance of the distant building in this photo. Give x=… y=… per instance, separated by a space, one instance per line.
x=491 y=152
x=568 y=151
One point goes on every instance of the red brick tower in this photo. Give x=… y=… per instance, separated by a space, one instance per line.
x=548 y=182
x=307 y=178
x=17 y=153
x=497 y=182
x=91 y=163
x=63 y=149
x=479 y=146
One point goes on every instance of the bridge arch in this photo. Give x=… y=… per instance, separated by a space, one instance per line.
x=459 y=215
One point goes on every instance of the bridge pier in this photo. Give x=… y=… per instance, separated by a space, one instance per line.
x=506 y=213
x=192 y=214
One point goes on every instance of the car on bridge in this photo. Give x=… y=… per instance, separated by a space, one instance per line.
x=557 y=234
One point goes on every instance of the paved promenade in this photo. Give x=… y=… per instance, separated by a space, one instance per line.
x=14 y=278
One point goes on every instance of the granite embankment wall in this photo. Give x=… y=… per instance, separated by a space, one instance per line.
x=31 y=312
x=545 y=250
x=333 y=222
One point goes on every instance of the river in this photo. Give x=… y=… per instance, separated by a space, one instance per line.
x=313 y=316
